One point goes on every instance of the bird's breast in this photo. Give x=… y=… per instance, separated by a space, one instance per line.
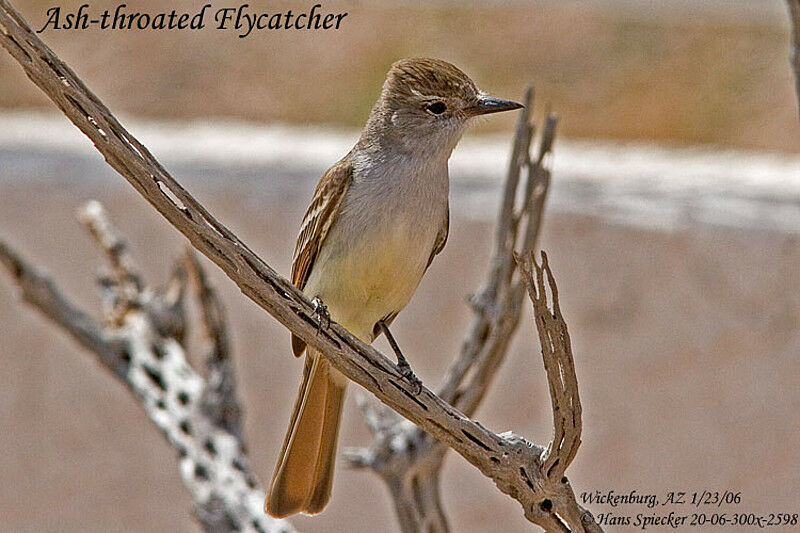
x=377 y=252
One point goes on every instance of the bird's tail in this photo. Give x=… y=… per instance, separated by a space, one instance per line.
x=304 y=475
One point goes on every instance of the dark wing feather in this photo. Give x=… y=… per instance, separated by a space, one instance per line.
x=441 y=238
x=317 y=222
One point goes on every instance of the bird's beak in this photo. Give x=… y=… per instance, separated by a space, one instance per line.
x=490 y=104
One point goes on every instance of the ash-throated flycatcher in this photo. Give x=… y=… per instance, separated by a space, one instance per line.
x=377 y=219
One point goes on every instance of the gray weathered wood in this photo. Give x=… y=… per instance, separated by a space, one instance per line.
x=794 y=18
x=132 y=343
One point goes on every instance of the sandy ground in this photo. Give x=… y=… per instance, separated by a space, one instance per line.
x=686 y=347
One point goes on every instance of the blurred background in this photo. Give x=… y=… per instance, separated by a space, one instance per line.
x=673 y=228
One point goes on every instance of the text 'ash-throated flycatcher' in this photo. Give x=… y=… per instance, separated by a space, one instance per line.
x=377 y=219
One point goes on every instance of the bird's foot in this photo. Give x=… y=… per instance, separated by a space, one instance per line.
x=408 y=374
x=402 y=363
x=321 y=314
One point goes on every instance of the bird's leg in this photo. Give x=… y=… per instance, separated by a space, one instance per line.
x=402 y=363
x=321 y=314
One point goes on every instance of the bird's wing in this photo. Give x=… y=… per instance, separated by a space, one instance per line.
x=317 y=222
x=441 y=238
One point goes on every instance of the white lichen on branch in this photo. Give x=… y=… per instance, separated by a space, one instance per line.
x=154 y=366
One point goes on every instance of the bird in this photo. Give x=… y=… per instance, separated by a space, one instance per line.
x=377 y=219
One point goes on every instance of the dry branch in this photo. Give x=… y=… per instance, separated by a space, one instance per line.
x=220 y=400
x=512 y=463
x=227 y=495
x=794 y=18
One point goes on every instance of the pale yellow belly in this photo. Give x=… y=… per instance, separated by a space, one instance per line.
x=371 y=279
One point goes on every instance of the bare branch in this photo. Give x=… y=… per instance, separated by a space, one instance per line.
x=96 y=220
x=558 y=503
x=557 y=355
x=125 y=289
x=227 y=495
x=220 y=400
x=501 y=304
x=40 y=291
x=794 y=17
x=511 y=463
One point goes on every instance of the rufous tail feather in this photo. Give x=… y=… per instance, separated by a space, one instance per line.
x=303 y=477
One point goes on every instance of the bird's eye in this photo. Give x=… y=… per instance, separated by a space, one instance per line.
x=436 y=108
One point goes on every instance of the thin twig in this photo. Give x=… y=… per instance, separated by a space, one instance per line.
x=794 y=19
x=39 y=291
x=565 y=401
x=220 y=399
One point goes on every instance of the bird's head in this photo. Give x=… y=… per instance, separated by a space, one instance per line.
x=430 y=101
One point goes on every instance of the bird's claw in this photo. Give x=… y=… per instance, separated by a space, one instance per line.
x=321 y=314
x=408 y=374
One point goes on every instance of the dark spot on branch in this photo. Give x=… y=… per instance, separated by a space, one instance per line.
x=159 y=350
x=160 y=404
x=201 y=472
x=237 y=464
x=156 y=377
x=374 y=381
x=494 y=459
x=210 y=447
x=550 y=470
x=525 y=476
x=186 y=427
x=441 y=427
x=475 y=439
x=183 y=397
x=409 y=395
x=546 y=505
x=452 y=414
x=77 y=105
